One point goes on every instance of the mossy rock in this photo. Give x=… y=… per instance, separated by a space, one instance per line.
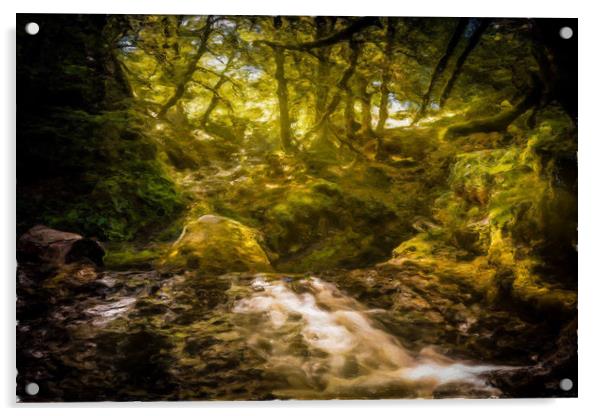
x=326 y=224
x=555 y=135
x=546 y=298
x=214 y=245
x=304 y=216
x=345 y=248
x=124 y=257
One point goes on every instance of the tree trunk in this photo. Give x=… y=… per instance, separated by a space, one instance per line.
x=285 y=123
x=215 y=98
x=349 y=116
x=383 y=109
x=190 y=70
x=119 y=75
x=56 y=248
x=366 y=120
x=342 y=85
x=323 y=27
x=440 y=68
x=499 y=122
x=472 y=43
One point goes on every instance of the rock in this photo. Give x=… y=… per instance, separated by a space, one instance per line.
x=544 y=378
x=72 y=276
x=56 y=248
x=214 y=244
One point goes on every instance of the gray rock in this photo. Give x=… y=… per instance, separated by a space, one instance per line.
x=52 y=247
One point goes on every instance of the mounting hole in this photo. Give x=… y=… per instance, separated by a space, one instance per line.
x=566 y=384
x=32 y=28
x=32 y=389
x=566 y=32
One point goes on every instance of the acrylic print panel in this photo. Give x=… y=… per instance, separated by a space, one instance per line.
x=261 y=207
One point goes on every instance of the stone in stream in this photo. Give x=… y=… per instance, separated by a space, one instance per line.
x=54 y=248
x=215 y=244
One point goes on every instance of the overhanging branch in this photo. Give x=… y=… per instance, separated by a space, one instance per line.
x=336 y=37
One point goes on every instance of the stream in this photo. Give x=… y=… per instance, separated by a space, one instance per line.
x=327 y=345
x=139 y=335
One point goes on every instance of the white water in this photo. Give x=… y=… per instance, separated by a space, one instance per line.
x=323 y=344
x=105 y=313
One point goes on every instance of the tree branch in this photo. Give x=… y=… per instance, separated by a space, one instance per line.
x=451 y=46
x=336 y=37
x=341 y=86
x=191 y=68
x=216 y=95
x=498 y=122
x=472 y=43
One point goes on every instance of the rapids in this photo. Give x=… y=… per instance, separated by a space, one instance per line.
x=363 y=334
x=327 y=345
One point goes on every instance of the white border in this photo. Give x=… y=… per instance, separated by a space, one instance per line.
x=590 y=207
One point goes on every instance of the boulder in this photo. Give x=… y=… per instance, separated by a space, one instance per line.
x=56 y=248
x=214 y=244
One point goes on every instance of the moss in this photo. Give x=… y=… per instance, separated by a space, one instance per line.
x=555 y=135
x=103 y=179
x=532 y=290
x=302 y=217
x=325 y=224
x=345 y=248
x=418 y=247
x=213 y=244
x=327 y=188
x=127 y=257
x=497 y=219
x=434 y=256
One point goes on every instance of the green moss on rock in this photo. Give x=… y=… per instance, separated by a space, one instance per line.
x=214 y=244
x=506 y=208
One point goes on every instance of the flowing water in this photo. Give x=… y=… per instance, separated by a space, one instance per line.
x=146 y=336
x=329 y=347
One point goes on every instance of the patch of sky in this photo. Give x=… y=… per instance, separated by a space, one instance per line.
x=472 y=25
x=399 y=106
x=392 y=123
x=189 y=20
x=127 y=44
x=217 y=63
x=250 y=72
x=396 y=106
x=226 y=25
x=217 y=39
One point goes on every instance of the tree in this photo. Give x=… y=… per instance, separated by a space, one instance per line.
x=324 y=26
x=383 y=108
x=285 y=123
x=473 y=41
x=190 y=69
x=440 y=67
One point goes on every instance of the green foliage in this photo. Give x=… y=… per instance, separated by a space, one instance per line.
x=104 y=180
x=123 y=257
x=154 y=114
x=327 y=224
x=500 y=213
x=86 y=159
x=122 y=206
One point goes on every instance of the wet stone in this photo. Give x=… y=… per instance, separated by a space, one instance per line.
x=257 y=336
